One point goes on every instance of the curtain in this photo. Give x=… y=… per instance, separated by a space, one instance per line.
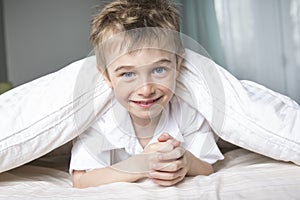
x=261 y=41
x=253 y=39
x=198 y=21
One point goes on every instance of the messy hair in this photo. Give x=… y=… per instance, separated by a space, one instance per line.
x=147 y=22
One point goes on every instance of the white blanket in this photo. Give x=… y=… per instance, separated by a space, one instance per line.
x=241 y=175
x=42 y=115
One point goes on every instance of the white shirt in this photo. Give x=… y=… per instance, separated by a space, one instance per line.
x=112 y=139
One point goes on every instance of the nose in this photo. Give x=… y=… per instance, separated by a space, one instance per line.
x=146 y=90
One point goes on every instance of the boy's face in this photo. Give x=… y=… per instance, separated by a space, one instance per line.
x=144 y=81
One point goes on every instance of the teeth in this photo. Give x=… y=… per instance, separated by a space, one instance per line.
x=146 y=102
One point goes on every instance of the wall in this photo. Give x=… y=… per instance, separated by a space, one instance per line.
x=42 y=36
x=3 y=73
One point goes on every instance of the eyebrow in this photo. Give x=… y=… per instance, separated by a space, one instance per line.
x=123 y=67
x=128 y=67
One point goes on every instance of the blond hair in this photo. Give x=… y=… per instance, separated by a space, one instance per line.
x=159 y=16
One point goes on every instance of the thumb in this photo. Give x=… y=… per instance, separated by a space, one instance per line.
x=164 y=137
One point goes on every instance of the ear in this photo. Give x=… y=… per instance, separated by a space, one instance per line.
x=180 y=59
x=105 y=75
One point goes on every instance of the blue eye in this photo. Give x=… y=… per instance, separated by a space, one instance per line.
x=160 y=70
x=127 y=74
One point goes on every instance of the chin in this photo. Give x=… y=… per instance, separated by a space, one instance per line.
x=147 y=114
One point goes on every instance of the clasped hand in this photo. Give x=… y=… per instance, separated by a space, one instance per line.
x=168 y=162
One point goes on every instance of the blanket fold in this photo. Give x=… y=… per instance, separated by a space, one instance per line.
x=46 y=113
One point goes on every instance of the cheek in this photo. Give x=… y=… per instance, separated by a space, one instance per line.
x=122 y=93
x=167 y=88
x=169 y=92
x=168 y=85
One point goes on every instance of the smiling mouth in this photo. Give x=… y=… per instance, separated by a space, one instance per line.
x=147 y=103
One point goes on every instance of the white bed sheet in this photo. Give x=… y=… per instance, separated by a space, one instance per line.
x=241 y=175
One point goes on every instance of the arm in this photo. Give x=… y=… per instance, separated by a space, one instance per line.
x=129 y=170
x=197 y=166
x=101 y=176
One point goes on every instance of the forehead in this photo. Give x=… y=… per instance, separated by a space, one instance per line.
x=142 y=57
x=132 y=43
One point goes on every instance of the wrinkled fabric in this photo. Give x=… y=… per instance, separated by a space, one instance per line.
x=44 y=114
x=241 y=175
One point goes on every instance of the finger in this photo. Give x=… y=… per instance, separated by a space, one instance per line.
x=176 y=153
x=169 y=166
x=159 y=147
x=165 y=147
x=166 y=175
x=167 y=182
x=164 y=137
x=174 y=142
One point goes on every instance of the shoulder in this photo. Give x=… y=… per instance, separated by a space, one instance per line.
x=188 y=118
x=94 y=135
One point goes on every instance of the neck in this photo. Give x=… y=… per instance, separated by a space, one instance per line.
x=145 y=122
x=145 y=128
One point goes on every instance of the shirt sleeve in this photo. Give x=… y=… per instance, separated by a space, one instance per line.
x=86 y=152
x=196 y=131
x=202 y=144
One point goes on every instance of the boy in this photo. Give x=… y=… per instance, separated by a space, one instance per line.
x=147 y=131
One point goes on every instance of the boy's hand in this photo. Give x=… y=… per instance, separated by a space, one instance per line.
x=171 y=165
x=165 y=143
x=165 y=137
x=171 y=168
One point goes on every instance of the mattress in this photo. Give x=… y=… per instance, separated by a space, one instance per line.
x=241 y=175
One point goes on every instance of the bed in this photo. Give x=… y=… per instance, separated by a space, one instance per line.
x=241 y=175
x=40 y=116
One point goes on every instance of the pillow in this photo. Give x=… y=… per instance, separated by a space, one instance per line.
x=243 y=113
x=46 y=113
